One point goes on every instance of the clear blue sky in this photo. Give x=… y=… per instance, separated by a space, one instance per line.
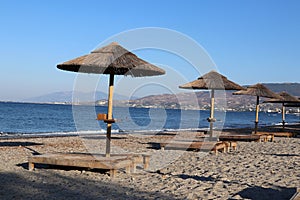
x=249 y=40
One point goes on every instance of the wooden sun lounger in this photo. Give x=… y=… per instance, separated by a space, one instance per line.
x=230 y=145
x=208 y=146
x=246 y=138
x=97 y=161
x=277 y=134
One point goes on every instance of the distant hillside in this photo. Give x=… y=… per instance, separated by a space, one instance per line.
x=67 y=97
x=232 y=102
x=291 y=88
x=184 y=100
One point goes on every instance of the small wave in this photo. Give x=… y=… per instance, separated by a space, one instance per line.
x=54 y=134
x=160 y=130
x=277 y=124
x=183 y=129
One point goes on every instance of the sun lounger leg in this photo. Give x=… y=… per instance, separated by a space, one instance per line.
x=234 y=148
x=133 y=166
x=227 y=149
x=224 y=150
x=233 y=145
x=227 y=146
x=146 y=160
x=215 y=151
x=128 y=168
x=30 y=166
x=113 y=173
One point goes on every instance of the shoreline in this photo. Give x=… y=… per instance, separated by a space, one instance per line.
x=244 y=130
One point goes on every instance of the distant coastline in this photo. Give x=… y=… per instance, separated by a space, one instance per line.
x=184 y=100
x=268 y=108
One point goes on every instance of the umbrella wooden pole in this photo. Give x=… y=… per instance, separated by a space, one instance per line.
x=256 y=114
x=109 y=113
x=283 y=116
x=212 y=107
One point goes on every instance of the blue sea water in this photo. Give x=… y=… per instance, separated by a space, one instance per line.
x=27 y=118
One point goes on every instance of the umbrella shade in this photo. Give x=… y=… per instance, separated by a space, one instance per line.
x=258 y=90
x=111 y=59
x=212 y=80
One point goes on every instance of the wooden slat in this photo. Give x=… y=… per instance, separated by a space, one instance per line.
x=99 y=161
x=82 y=162
x=283 y=134
x=240 y=138
x=209 y=146
x=190 y=145
x=277 y=134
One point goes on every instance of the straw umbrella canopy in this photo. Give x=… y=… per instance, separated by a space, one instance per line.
x=112 y=59
x=258 y=90
x=286 y=98
x=212 y=81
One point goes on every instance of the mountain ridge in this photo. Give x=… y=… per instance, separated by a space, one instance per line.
x=70 y=96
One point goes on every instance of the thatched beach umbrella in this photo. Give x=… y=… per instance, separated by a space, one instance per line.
x=286 y=98
x=112 y=59
x=212 y=81
x=258 y=90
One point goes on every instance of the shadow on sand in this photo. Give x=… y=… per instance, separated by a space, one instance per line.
x=251 y=192
x=274 y=193
x=53 y=185
x=197 y=178
x=16 y=144
x=283 y=155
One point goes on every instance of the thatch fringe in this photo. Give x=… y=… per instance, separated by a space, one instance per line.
x=212 y=80
x=111 y=59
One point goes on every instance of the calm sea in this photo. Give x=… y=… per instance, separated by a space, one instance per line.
x=27 y=118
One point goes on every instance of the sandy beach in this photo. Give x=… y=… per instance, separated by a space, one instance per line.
x=268 y=170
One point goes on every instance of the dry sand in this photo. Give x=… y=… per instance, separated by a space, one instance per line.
x=254 y=171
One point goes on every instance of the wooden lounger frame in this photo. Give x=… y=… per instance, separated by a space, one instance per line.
x=277 y=134
x=92 y=161
x=197 y=145
x=284 y=134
